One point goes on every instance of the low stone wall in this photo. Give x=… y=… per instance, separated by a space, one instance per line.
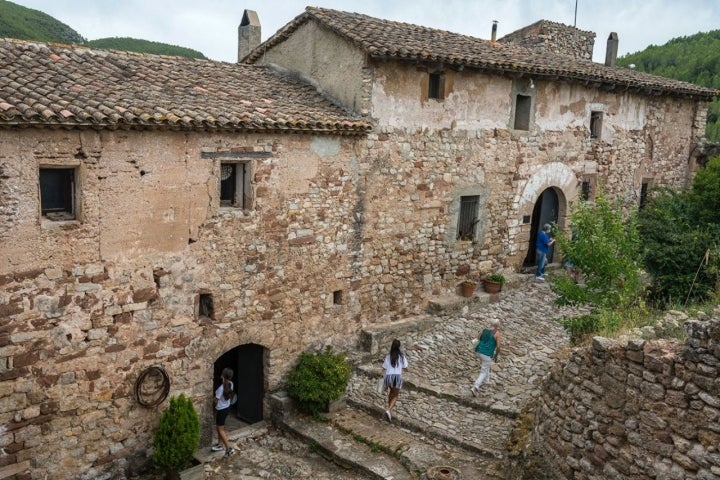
x=638 y=409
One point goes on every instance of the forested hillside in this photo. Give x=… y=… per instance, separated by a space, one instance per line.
x=28 y=24
x=694 y=59
x=24 y=23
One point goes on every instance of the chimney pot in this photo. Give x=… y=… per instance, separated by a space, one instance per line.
x=493 y=36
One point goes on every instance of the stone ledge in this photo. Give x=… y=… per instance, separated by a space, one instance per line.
x=373 y=337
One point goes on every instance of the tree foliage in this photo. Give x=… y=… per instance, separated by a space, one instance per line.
x=604 y=246
x=317 y=379
x=144 y=46
x=681 y=235
x=694 y=59
x=178 y=435
x=24 y=23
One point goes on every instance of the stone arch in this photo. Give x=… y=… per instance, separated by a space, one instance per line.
x=555 y=176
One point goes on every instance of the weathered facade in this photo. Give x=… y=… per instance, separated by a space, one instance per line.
x=189 y=214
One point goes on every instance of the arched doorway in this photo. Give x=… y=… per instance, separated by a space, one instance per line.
x=247 y=363
x=546 y=210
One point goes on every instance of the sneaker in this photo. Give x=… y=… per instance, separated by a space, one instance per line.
x=474 y=391
x=217 y=447
x=542 y=279
x=388 y=416
x=229 y=452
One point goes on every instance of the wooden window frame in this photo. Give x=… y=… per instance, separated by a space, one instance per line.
x=58 y=189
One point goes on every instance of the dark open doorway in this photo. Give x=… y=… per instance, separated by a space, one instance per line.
x=545 y=211
x=247 y=363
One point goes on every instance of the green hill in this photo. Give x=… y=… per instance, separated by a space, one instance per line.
x=24 y=23
x=694 y=59
x=143 y=46
x=28 y=24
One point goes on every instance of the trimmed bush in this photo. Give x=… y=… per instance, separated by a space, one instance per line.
x=178 y=435
x=317 y=379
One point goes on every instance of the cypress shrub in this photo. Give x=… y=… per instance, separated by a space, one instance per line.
x=178 y=435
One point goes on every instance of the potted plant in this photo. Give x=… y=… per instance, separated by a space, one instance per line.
x=467 y=287
x=176 y=440
x=318 y=379
x=493 y=283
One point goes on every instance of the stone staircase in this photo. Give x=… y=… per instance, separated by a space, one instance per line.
x=436 y=433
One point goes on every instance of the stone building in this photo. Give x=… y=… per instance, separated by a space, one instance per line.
x=164 y=217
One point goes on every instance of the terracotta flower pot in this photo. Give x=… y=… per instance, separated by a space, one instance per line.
x=467 y=289
x=492 y=287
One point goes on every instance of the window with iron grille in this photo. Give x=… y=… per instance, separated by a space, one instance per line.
x=585 y=192
x=436 y=86
x=468 y=217
x=57 y=193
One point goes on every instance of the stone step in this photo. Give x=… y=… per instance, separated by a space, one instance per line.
x=468 y=423
x=419 y=453
x=338 y=445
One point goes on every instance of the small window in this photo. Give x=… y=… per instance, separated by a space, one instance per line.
x=436 y=86
x=234 y=185
x=643 y=194
x=57 y=193
x=205 y=306
x=585 y=191
x=595 y=124
x=468 y=217
x=338 y=297
x=522 y=112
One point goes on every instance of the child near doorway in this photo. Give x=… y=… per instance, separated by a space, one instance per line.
x=222 y=401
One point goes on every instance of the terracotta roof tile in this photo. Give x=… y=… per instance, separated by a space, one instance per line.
x=404 y=41
x=71 y=86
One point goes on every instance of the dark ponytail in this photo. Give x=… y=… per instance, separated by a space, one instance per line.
x=227 y=375
x=395 y=353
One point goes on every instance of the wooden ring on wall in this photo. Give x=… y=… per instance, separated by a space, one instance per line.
x=152 y=386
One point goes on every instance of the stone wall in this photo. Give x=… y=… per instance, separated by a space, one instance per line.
x=553 y=37
x=639 y=409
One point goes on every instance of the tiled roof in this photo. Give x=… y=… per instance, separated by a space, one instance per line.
x=403 y=41
x=74 y=86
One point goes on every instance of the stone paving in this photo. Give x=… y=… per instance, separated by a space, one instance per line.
x=439 y=429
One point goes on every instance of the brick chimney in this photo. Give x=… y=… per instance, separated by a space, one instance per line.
x=248 y=34
x=612 y=48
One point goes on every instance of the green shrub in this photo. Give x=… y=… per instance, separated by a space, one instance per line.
x=178 y=435
x=680 y=235
x=317 y=379
x=605 y=248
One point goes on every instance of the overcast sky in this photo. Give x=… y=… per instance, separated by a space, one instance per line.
x=210 y=26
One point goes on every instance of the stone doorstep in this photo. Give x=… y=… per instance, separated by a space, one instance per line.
x=257 y=429
x=342 y=449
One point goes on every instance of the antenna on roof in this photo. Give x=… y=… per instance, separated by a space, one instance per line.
x=575 y=22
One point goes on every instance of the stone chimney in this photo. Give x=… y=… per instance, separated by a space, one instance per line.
x=611 y=52
x=248 y=34
x=493 y=36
